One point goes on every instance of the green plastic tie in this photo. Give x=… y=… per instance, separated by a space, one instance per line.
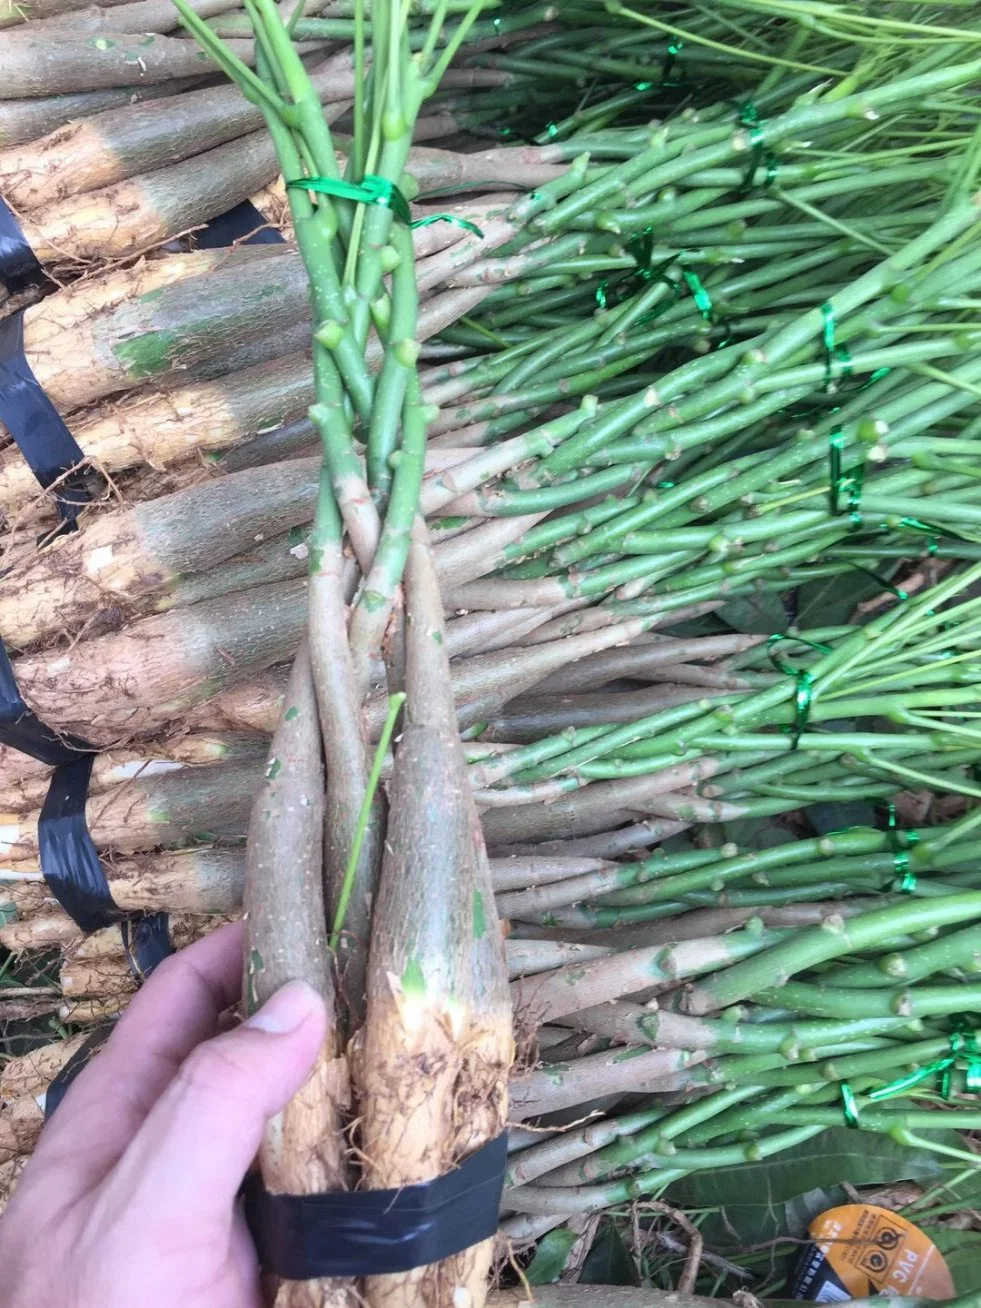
x=465 y=223
x=675 y=47
x=886 y=585
x=899 y=842
x=749 y=117
x=963 y=1047
x=932 y=531
x=703 y=301
x=840 y=482
x=370 y=190
x=849 y=1106
x=613 y=290
x=377 y=190
x=803 y=681
x=833 y=353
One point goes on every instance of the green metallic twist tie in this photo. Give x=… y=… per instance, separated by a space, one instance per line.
x=370 y=190
x=465 y=223
x=703 y=301
x=963 y=1046
x=749 y=117
x=379 y=191
x=840 y=482
x=849 y=1105
x=931 y=530
x=803 y=681
x=886 y=585
x=675 y=47
x=833 y=353
x=900 y=843
x=613 y=290
x=964 y=1043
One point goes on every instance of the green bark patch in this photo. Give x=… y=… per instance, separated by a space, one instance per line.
x=149 y=354
x=479 y=916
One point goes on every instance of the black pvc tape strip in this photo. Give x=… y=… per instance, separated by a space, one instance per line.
x=47 y=445
x=377 y=1232
x=19 y=267
x=69 y=859
x=240 y=222
x=21 y=729
x=75 y=876
x=146 y=942
x=80 y=1059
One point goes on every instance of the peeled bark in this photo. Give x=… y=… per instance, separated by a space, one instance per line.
x=154 y=811
x=160 y=325
x=142 y=212
x=20 y=1126
x=86 y=579
x=24 y=781
x=59 y=61
x=157 y=668
x=27 y=119
x=31 y=1073
x=137 y=139
x=99 y=968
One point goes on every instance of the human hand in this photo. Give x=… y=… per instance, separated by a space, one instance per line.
x=130 y=1197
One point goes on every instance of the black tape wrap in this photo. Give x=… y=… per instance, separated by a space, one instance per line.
x=19 y=267
x=377 y=1232
x=243 y=223
x=58 y=1088
x=48 y=447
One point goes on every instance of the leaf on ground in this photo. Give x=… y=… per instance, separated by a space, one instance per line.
x=842 y=815
x=762 y=612
x=831 y=601
x=757 y=833
x=608 y=1262
x=551 y=1256
x=835 y=1156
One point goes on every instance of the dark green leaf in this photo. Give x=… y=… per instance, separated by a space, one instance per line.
x=760 y=613
x=551 y=1256
x=840 y=816
x=834 y=1156
x=831 y=601
x=756 y=833
x=608 y=1262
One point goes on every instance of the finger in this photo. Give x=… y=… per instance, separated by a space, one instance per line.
x=175 y=1010
x=207 y=1126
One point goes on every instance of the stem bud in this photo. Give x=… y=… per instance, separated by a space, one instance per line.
x=406 y=352
x=389 y=258
x=381 y=312
x=393 y=125
x=329 y=334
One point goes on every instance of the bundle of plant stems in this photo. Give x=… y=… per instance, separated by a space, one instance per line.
x=644 y=463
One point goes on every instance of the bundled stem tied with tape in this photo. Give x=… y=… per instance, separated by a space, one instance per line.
x=417 y=987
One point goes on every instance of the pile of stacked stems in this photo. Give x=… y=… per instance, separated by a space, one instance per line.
x=542 y=446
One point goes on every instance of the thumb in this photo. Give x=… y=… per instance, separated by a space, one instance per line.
x=204 y=1131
